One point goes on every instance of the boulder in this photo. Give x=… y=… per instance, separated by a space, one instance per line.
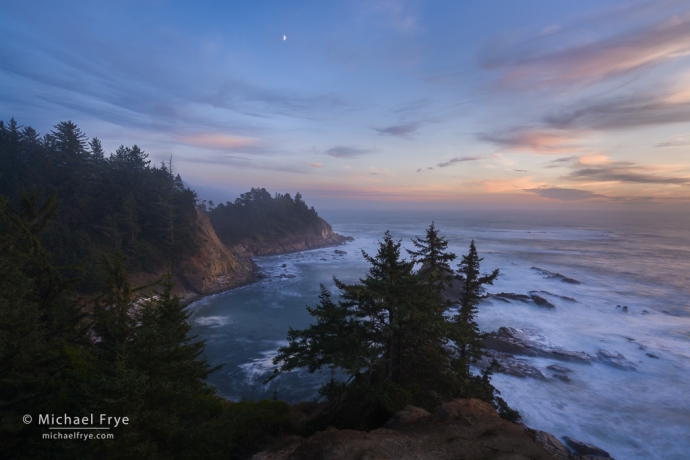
x=556 y=276
x=552 y=444
x=511 y=365
x=616 y=360
x=406 y=417
x=560 y=369
x=583 y=448
x=512 y=296
x=542 y=302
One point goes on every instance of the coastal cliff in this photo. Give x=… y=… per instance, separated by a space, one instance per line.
x=319 y=235
x=214 y=268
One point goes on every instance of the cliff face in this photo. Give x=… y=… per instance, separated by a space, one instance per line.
x=319 y=236
x=215 y=268
x=461 y=429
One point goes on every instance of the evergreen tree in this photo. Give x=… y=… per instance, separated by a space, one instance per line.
x=467 y=335
x=150 y=371
x=386 y=332
x=42 y=338
x=432 y=254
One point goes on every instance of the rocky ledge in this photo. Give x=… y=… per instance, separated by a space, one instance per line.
x=462 y=429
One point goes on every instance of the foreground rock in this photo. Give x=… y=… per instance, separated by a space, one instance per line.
x=462 y=429
x=516 y=342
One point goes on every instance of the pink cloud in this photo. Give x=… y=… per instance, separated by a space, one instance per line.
x=537 y=64
x=217 y=141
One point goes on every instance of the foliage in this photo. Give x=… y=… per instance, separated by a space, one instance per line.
x=256 y=217
x=110 y=203
x=43 y=348
x=129 y=358
x=467 y=336
x=246 y=427
x=390 y=334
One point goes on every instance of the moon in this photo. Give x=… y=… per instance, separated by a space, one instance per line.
x=284 y=37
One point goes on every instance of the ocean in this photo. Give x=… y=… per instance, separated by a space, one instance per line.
x=622 y=259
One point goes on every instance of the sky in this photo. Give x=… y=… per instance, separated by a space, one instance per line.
x=371 y=101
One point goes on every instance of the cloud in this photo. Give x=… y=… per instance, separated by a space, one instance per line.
x=535 y=140
x=562 y=162
x=677 y=143
x=544 y=60
x=413 y=106
x=626 y=112
x=401 y=130
x=624 y=172
x=565 y=194
x=218 y=141
x=520 y=170
x=455 y=160
x=343 y=151
x=316 y=165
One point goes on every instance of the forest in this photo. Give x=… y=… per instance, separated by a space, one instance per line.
x=116 y=203
x=77 y=338
x=257 y=217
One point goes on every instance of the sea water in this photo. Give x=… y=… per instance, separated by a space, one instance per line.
x=637 y=260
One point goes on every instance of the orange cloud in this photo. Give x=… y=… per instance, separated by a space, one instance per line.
x=646 y=46
x=533 y=140
x=217 y=141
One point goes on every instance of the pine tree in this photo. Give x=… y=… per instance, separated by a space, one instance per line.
x=150 y=370
x=42 y=339
x=434 y=259
x=467 y=335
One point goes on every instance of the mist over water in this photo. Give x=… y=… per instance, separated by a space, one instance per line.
x=636 y=260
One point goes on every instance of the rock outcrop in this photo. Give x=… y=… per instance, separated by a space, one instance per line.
x=319 y=236
x=464 y=428
x=510 y=365
x=585 y=449
x=516 y=342
x=556 y=276
x=616 y=360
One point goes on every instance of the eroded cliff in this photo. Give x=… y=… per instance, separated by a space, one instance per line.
x=317 y=236
x=214 y=268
